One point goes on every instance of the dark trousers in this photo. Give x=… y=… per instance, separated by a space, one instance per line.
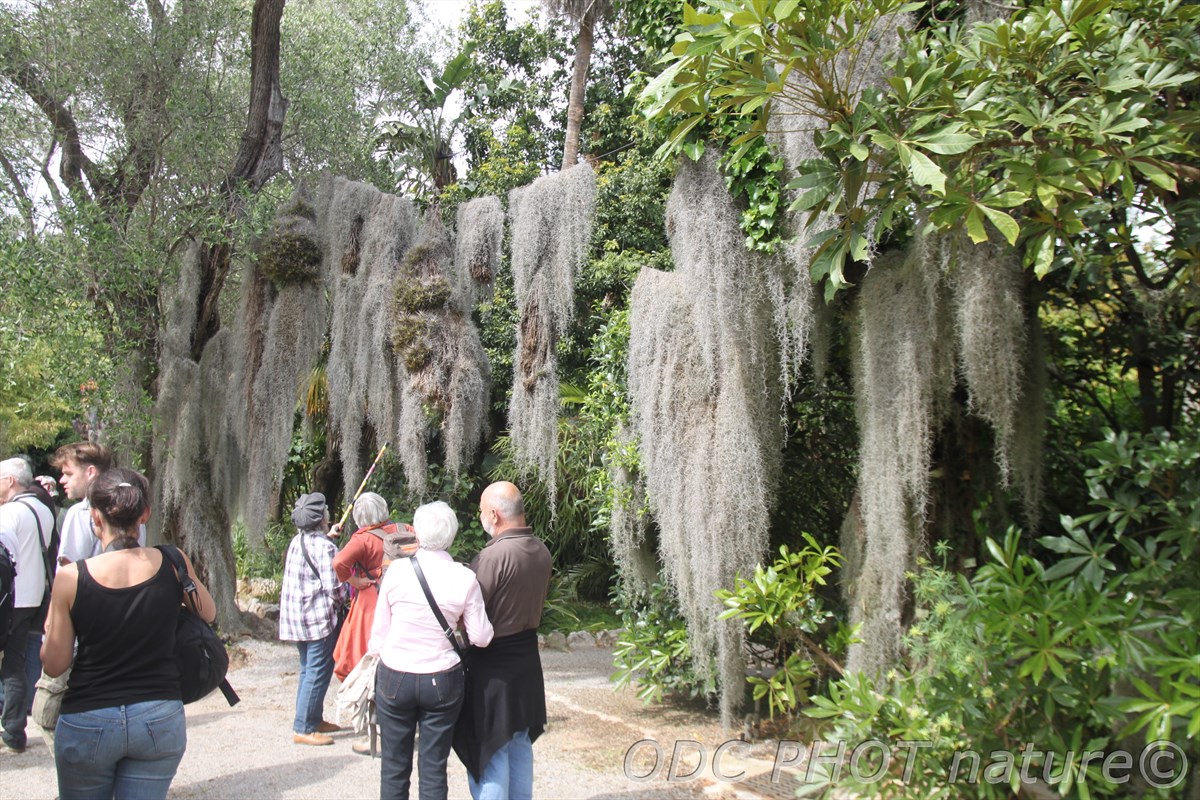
x=17 y=689
x=404 y=700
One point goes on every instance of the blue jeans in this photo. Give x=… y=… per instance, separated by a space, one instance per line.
x=127 y=752
x=402 y=701
x=33 y=668
x=508 y=775
x=14 y=675
x=316 y=668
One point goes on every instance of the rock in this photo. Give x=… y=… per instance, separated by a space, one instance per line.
x=580 y=639
x=606 y=638
x=541 y=641
x=556 y=641
x=264 y=587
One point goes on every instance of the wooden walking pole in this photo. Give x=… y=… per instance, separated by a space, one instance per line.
x=361 y=486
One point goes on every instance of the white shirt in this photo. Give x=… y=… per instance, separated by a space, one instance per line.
x=406 y=635
x=16 y=518
x=77 y=541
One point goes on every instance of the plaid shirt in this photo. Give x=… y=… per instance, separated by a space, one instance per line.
x=309 y=600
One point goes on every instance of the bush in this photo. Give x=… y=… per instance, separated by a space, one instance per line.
x=1048 y=661
x=788 y=625
x=654 y=651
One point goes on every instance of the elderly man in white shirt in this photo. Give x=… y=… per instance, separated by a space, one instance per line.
x=420 y=676
x=28 y=527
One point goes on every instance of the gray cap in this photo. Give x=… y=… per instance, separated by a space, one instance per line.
x=309 y=511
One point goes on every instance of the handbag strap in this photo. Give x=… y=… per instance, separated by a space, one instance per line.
x=437 y=612
x=175 y=556
x=190 y=593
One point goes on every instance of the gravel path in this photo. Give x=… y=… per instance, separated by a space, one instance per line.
x=247 y=751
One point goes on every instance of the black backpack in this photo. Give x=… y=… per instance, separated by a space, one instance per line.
x=199 y=652
x=8 y=576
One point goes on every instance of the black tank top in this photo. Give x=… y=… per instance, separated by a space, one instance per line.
x=126 y=642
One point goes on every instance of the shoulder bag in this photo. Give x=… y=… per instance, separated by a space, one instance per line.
x=199 y=652
x=458 y=646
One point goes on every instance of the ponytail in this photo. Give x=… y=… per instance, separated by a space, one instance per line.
x=121 y=496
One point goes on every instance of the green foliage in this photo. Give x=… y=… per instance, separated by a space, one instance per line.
x=654 y=653
x=516 y=80
x=289 y=258
x=52 y=359
x=1016 y=125
x=564 y=522
x=785 y=616
x=418 y=139
x=267 y=562
x=409 y=334
x=1075 y=655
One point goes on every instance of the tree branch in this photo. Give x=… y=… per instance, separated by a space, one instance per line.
x=75 y=165
x=24 y=204
x=51 y=185
x=259 y=158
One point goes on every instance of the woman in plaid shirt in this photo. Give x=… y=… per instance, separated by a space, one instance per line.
x=309 y=602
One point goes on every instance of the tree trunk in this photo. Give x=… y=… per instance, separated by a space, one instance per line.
x=583 y=59
x=259 y=158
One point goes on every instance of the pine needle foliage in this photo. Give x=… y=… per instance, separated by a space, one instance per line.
x=703 y=379
x=480 y=228
x=551 y=228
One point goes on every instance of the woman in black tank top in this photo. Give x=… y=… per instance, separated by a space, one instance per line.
x=121 y=732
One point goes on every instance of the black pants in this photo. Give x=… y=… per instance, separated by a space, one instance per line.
x=17 y=690
x=402 y=701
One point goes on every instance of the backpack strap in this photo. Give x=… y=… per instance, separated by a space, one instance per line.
x=47 y=558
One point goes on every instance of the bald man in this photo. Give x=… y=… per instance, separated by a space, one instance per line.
x=506 y=677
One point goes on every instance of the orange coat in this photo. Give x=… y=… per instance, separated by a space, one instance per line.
x=362 y=556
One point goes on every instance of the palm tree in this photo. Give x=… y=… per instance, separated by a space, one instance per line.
x=419 y=141
x=585 y=13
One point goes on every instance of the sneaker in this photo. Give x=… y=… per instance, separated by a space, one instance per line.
x=313 y=739
x=363 y=748
x=5 y=748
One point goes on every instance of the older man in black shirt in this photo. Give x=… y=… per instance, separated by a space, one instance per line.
x=505 y=709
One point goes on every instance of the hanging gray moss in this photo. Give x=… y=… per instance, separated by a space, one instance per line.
x=445 y=373
x=367 y=234
x=195 y=448
x=298 y=320
x=632 y=554
x=290 y=253
x=480 y=229
x=989 y=315
x=551 y=227
x=703 y=380
x=903 y=381
x=1025 y=456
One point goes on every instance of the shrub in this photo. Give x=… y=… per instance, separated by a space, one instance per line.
x=1048 y=661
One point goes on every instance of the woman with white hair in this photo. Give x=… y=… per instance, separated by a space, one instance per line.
x=419 y=680
x=361 y=564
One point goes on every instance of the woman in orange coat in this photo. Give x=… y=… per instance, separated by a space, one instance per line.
x=360 y=563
